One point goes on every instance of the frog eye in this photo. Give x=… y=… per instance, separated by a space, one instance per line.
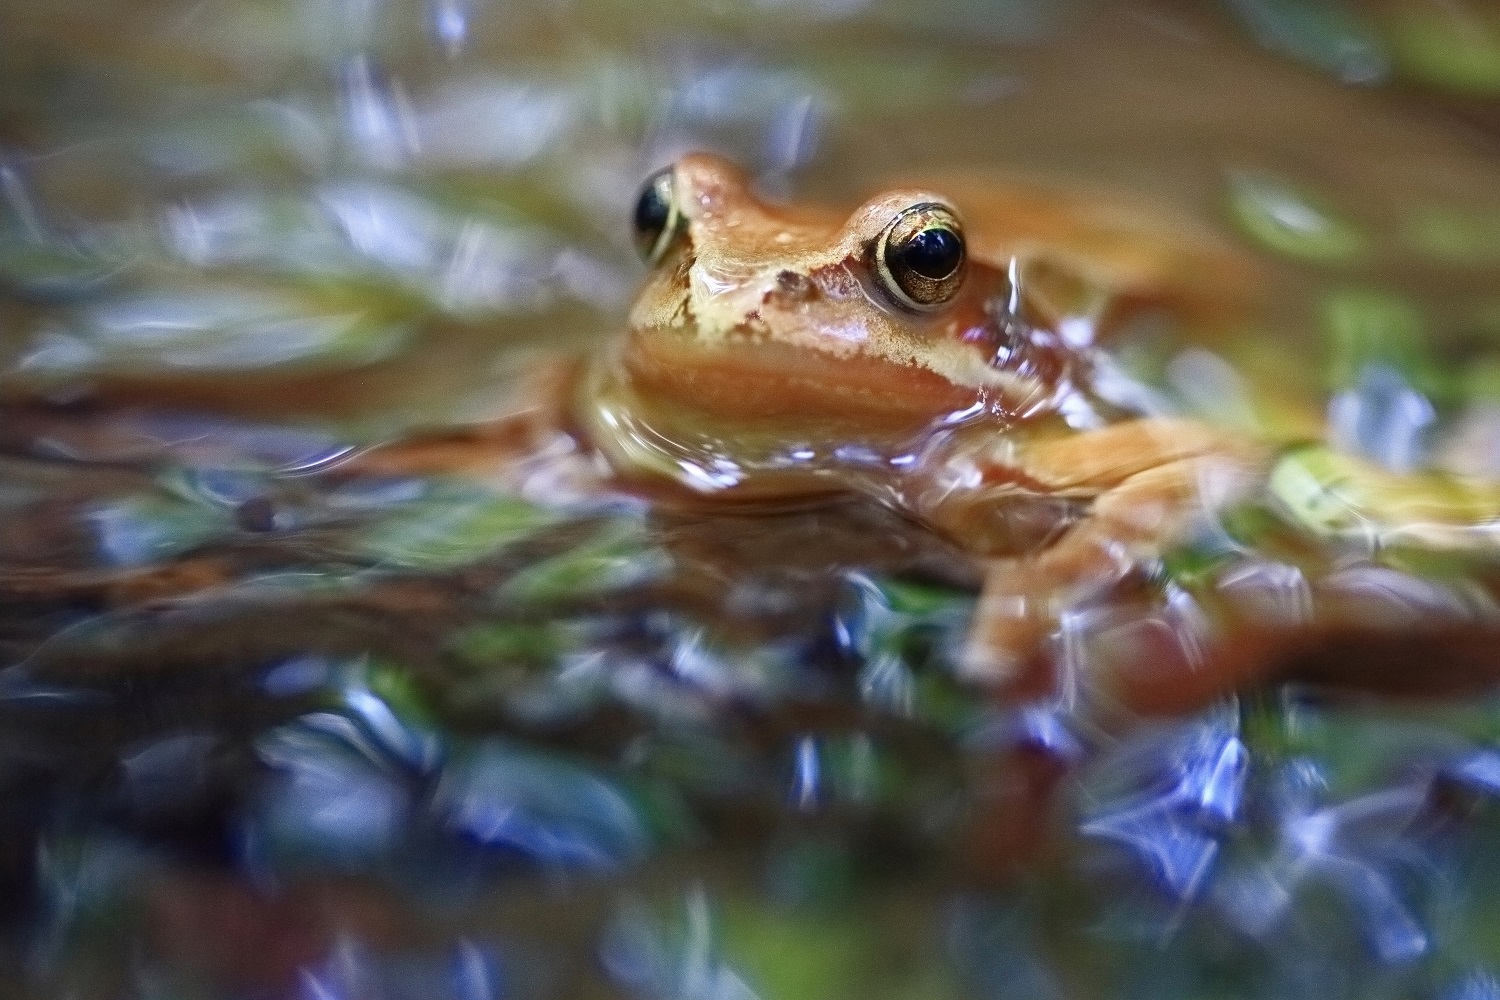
x=657 y=221
x=920 y=256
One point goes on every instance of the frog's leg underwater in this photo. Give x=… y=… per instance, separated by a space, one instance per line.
x=1146 y=484
x=532 y=422
x=1139 y=486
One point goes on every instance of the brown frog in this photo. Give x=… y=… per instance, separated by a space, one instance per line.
x=933 y=350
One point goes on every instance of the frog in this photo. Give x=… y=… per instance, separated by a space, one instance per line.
x=937 y=351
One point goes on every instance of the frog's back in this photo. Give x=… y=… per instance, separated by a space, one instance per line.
x=1087 y=248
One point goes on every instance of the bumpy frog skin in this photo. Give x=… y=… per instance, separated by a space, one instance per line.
x=768 y=360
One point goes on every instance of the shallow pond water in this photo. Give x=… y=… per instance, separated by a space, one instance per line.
x=282 y=721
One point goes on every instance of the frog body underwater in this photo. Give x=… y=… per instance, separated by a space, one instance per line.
x=777 y=354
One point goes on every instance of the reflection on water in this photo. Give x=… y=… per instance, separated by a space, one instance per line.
x=287 y=710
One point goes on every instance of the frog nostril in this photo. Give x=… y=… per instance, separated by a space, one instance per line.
x=794 y=285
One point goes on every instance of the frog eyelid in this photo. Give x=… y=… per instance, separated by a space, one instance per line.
x=658 y=219
x=675 y=227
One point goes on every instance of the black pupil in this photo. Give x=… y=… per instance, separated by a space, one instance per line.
x=651 y=213
x=933 y=253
